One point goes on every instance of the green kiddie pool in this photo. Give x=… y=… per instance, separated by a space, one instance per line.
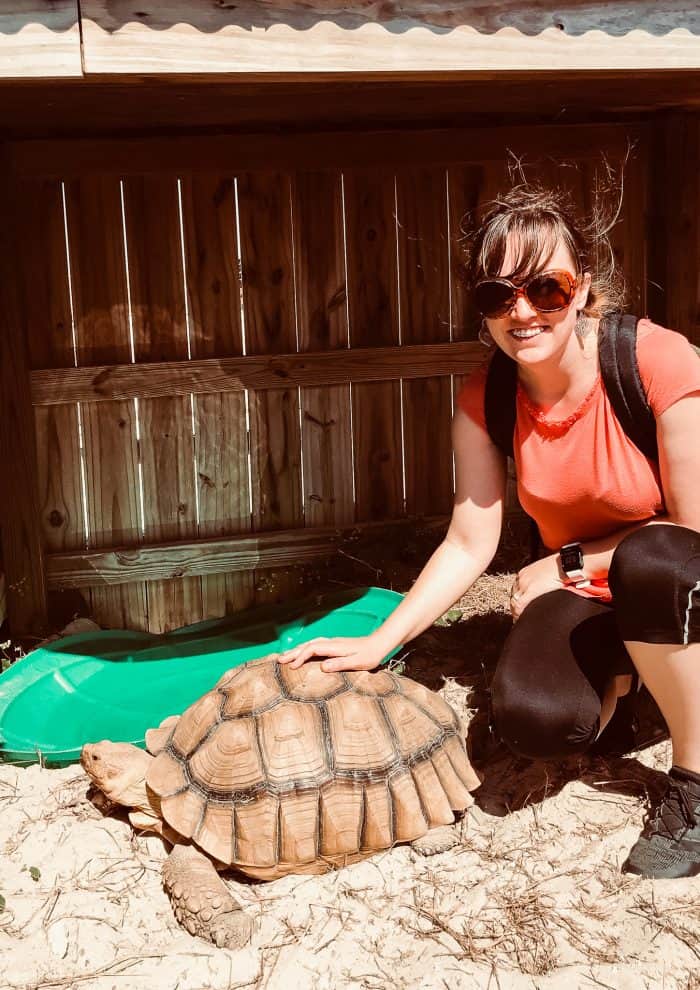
x=116 y=684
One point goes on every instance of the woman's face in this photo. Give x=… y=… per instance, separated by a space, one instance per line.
x=528 y=335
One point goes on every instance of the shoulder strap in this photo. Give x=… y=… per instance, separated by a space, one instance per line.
x=499 y=401
x=500 y=414
x=617 y=350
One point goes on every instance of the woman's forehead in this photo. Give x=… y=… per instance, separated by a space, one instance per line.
x=551 y=256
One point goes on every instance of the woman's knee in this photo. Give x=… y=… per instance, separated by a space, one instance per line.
x=651 y=554
x=542 y=726
x=650 y=576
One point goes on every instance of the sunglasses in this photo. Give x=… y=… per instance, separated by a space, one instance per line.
x=545 y=291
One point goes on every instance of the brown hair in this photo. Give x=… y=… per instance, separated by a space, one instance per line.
x=540 y=218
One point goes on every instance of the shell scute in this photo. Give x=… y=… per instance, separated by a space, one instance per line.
x=408 y=815
x=341 y=817
x=374 y=682
x=184 y=811
x=196 y=722
x=254 y=691
x=378 y=827
x=256 y=825
x=215 y=832
x=292 y=744
x=434 y=802
x=299 y=826
x=415 y=731
x=229 y=759
x=165 y=775
x=309 y=682
x=432 y=703
x=359 y=733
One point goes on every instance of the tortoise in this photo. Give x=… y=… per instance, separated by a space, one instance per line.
x=279 y=770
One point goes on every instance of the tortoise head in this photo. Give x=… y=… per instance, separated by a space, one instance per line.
x=119 y=771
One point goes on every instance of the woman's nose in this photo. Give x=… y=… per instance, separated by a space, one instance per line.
x=522 y=309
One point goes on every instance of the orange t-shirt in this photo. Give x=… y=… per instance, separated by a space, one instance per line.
x=583 y=478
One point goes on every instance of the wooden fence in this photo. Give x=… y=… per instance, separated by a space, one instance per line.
x=241 y=348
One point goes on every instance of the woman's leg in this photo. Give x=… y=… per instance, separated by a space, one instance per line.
x=655 y=580
x=555 y=673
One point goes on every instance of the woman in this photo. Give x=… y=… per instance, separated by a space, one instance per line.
x=618 y=590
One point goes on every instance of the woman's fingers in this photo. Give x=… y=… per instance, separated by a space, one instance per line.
x=292 y=654
x=352 y=662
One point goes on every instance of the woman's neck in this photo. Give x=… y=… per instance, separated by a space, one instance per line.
x=565 y=378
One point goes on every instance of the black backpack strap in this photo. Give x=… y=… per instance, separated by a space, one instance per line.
x=617 y=351
x=500 y=415
x=499 y=401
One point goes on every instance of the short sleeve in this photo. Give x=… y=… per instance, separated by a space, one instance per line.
x=668 y=365
x=470 y=397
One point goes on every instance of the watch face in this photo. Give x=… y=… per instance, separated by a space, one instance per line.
x=571 y=558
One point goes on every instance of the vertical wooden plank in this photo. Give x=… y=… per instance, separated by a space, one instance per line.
x=19 y=503
x=268 y=302
x=46 y=305
x=101 y=312
x=470 y=186
x=372 y=304
x=423 y=254
x=156 y=281
x=675 y=223
x=221 y=436
x=319 y=260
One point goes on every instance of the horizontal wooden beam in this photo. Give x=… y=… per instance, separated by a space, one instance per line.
x=105 y=106
x=283 y=548
x=39 y=39
x=211 y=375
x=313 y=150
x=273 y=36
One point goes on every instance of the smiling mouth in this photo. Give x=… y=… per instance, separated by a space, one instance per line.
x=527 y=333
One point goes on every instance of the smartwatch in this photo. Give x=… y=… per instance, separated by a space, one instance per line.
x=571 y=560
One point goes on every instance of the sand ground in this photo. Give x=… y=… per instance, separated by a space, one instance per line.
x=532 y=897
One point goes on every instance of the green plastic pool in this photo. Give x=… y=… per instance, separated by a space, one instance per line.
x=116 y=684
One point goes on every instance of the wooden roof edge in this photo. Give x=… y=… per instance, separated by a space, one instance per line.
x=262 y=39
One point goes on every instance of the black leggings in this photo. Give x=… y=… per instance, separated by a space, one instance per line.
x=562 y=652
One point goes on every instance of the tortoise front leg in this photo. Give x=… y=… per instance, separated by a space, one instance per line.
x=201 y=901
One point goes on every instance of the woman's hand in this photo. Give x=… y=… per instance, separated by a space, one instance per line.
x=342 y=653
x=534 y=580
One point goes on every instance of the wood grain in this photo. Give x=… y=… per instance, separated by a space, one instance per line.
x=674 y=223
x=40 y=39
x=47 y=307
x=136 y=105
x=101 y=309
x=423 y=258
x=20 y=525
x=221 y=435
x=166 y=440
x=319 y=261
x=373 y=308
x=270 y=321
x=312 y=149
x=276 y=36
x=209 y=376
x=277 y=549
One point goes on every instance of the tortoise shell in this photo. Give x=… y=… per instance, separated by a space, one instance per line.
x=281 y=771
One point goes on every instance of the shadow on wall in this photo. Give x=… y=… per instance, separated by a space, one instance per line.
x=573 y=17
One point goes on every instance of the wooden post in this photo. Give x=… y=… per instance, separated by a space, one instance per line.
x=19 y=502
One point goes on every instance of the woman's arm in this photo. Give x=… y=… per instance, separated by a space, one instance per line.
x=678 y=436
x=465 y=552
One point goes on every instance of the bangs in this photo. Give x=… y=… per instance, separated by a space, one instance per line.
x=532 y=240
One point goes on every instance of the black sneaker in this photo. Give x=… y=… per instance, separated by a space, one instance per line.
x=669 y=846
